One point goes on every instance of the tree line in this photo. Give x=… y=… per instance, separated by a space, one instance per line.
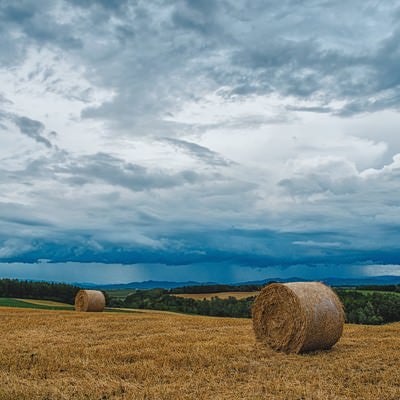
x=62 y=292
x=370 y=307
x=160 y=299
x=360 y=307
x=381 y=288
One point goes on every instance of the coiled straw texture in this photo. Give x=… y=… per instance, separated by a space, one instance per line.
x=90 y=300
x=298 y=317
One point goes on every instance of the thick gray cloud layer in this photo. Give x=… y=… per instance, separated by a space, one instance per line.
x=157 y=54
x=182 y=132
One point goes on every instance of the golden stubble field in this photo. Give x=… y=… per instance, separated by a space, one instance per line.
x=66 y=355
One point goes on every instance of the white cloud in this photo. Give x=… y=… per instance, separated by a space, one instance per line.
x=374 y=270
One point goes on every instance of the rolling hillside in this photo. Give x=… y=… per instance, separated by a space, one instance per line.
x=221 y=295
x=30 y=303
x=64 y=355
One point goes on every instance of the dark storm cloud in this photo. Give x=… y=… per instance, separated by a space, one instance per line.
x=268 y=249
x=4 y=100
x=17 y=12
x=303 y=68
x=37 y=23
x=321 y=110
x=33 y=129
x=63 y=167
x=198 y=16
x=109 y=5
x=200 y=152
x=116 y=172
x=24 y=221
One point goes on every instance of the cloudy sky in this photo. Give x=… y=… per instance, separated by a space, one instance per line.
x=210 y=140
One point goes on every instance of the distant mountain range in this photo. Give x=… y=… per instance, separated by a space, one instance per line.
x=375 y=280
x=143 y=285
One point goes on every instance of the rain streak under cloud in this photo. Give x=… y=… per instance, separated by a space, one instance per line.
x=174 y=140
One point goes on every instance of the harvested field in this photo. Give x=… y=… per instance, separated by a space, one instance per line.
x=67 y=355
x=221 y=295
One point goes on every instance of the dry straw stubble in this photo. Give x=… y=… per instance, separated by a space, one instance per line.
x=90 y=300
x=298 y=317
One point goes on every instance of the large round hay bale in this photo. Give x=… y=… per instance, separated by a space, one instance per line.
x=298 y=317
x=90 y=300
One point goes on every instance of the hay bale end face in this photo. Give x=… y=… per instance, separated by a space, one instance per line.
x=298 y=317
x=90 y=301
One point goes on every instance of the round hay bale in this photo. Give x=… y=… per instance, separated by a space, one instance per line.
x=90 y=300
x=298 y=317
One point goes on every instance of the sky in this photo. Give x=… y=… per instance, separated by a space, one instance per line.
x=199 y=140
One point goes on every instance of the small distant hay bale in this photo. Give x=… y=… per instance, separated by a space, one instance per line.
x=298 y=317
x=90 y=301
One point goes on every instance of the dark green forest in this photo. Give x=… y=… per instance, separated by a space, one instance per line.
x=380 y=288
x=370 y=307
x=160 y=299
x=38 y=290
